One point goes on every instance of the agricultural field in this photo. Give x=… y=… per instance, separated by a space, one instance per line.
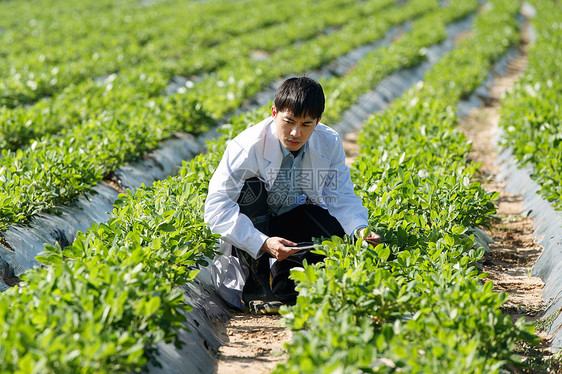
x=87 y=87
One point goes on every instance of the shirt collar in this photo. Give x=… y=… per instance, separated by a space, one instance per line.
x=286 y=152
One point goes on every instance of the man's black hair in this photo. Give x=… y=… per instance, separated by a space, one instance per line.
x=302 y=96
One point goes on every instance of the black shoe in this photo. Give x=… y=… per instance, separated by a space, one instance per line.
x=265 y=307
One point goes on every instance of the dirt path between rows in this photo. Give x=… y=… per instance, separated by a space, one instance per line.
x=514 y=251
x=255 y=344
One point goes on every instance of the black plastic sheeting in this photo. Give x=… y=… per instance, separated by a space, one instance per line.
x=5 y=269
x=547 y=223
x=164 y=162
x=206 y=333
x=148 y=3
x=27 y=241
x=397 y=83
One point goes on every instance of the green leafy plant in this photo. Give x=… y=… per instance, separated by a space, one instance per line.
x=530 y=113
x=415 y=303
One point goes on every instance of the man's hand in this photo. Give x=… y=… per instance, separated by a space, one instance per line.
x=279 y=248
x=373 y=239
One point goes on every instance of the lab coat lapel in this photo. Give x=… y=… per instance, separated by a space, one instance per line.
x=272 y=155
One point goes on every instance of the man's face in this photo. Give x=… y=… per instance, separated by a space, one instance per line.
x=292 y=131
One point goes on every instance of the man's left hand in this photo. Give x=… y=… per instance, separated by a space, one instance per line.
x=373 y=239
x=279 y=248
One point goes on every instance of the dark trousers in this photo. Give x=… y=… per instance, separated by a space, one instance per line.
x=301 y=224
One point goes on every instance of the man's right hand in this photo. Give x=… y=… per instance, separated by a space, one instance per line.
x=279 y=248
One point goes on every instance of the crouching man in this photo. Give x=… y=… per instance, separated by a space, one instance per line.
x=279 y=183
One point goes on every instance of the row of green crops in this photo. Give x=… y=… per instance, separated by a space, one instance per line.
x=531 y=113
x=234 y=83
x=311 y=21
x=66 y=42
x=103 y=302
x=106 y=300
x=415 y=303
x=92 y=98
x=219 y=92
x=57 y=169
x=407 y=51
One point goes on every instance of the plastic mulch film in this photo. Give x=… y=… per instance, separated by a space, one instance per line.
x=201 y=343
x=6 y=272
x=547 y=223
x=397 y=83
x=27 y=241
x=158 y=165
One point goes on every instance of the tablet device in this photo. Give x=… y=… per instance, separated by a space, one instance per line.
x=304 y=245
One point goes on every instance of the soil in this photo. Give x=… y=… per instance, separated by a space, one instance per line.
x=351 y=147
x=114 y=182
x=254 y=344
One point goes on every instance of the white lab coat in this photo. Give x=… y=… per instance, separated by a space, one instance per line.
x=256 y=152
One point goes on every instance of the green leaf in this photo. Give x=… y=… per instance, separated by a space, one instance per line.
x=152 y=306
x=166 y=227
x=383 y=251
